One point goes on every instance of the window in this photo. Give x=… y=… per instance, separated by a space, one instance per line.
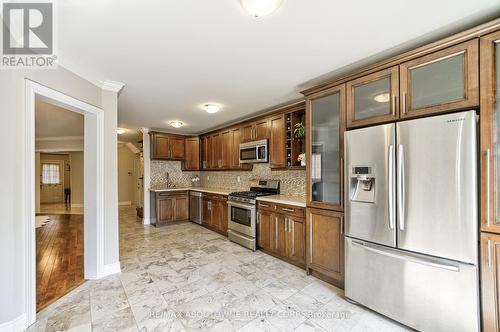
x=51 y=174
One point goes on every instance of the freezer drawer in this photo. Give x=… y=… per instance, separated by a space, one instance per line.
x=425 y=293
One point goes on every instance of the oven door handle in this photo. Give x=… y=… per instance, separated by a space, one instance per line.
x=243 y=206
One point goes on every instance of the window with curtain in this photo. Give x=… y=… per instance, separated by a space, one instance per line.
x=51 y=174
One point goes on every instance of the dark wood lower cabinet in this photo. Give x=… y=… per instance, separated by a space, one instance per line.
x=170 y=207
x=281 y=232
x=325 y=245
x=490 y=281
x=215 y=213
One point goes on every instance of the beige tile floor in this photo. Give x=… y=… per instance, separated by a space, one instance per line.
x=187 y=278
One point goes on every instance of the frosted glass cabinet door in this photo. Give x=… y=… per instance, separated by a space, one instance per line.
x=373 y=98
x=443 y=81
x=326 y=123
x=489 y=130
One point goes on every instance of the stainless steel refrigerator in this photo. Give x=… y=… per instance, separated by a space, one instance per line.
x=411 y=245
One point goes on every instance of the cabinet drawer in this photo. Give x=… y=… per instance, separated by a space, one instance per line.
x=290 y=210
x=263 y=206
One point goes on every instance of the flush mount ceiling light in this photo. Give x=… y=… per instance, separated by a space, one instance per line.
x=211 y=108
x=260 y=8
x=176 y=123
x=382 y=97
x=120 y=131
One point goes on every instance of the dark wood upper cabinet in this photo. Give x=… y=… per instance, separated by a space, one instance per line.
x=226 y=149
x=373 y=98
x=277 y=142
x=235 y=156
x=490 y=281
x=167 y=146
x=255 y=131
x=192 y=154
x=325 y=118
x=489 y=123
x=441 y=81
x=325 y=244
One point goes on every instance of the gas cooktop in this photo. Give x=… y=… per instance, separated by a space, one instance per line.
x=258 y=188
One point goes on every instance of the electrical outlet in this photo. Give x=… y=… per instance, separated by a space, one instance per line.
x=238 y=179
x=208 y=177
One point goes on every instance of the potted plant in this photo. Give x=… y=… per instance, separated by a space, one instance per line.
x=299 y=132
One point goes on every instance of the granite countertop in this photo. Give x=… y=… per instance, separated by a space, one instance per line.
x=217 y=191
x=283 y=199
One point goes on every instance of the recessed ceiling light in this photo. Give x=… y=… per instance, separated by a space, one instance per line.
x=260 y=8
x=176 y=123
x=382 y=97
x=212 y=108
x=120 y=131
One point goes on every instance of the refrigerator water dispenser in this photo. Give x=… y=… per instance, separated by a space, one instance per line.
x=362 y=187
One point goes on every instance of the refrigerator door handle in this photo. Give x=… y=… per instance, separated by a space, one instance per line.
x=410 y=258
x=390 y=177
x=401 y=187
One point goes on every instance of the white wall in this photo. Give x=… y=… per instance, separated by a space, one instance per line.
x=126 y=181
x=12 y=192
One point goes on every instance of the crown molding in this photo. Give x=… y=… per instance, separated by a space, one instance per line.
x=112 y=86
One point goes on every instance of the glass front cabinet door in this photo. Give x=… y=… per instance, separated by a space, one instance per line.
x=373 y=98
x=326 y=125
x=490 y=124
x=441 y=81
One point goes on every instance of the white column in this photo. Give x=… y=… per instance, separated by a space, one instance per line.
x=147 y=174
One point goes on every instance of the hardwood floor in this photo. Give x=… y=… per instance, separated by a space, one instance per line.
x=59 y=258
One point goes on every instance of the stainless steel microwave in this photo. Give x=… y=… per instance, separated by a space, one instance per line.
x=254 y=152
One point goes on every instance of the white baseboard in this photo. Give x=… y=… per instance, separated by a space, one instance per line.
x=16 y=325
x=110 y=269
x=125 y=203
x=146 y=221
x=76 y=205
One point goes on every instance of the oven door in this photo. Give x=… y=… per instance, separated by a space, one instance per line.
x=242 y=218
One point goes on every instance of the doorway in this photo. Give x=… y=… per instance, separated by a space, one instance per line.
x=91 y=222
x=59 y=233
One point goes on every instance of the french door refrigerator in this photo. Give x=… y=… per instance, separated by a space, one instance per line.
x=411 y=245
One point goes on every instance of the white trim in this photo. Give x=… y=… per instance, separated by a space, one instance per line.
x=15 y=325
x=124 y=203
x=112 y=86
x=93 y=186
x=146 y=221
x=110 y=269
x=60 y=138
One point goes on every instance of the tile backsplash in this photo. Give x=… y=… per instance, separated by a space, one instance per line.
x=292 y=182
x=160 y=169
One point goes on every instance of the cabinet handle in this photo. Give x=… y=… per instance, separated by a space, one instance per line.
x=488 y=155
x=286 y=225
x=292 y=225
x=276 y=232
x=403 y=102
x=288 y=210
x=489 y=253
x=263 y=205
x=310 y=240
x=394 y=101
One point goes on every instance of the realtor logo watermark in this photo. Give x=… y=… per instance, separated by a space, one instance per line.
x=28 y=35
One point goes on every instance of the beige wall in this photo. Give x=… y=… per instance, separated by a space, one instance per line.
x=77 y=179
x=126 y=181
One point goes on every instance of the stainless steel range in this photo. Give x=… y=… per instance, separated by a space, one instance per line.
x=242 y=214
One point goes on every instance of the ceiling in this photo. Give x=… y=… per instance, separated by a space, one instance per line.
x=54 y=121
x=175 y=55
